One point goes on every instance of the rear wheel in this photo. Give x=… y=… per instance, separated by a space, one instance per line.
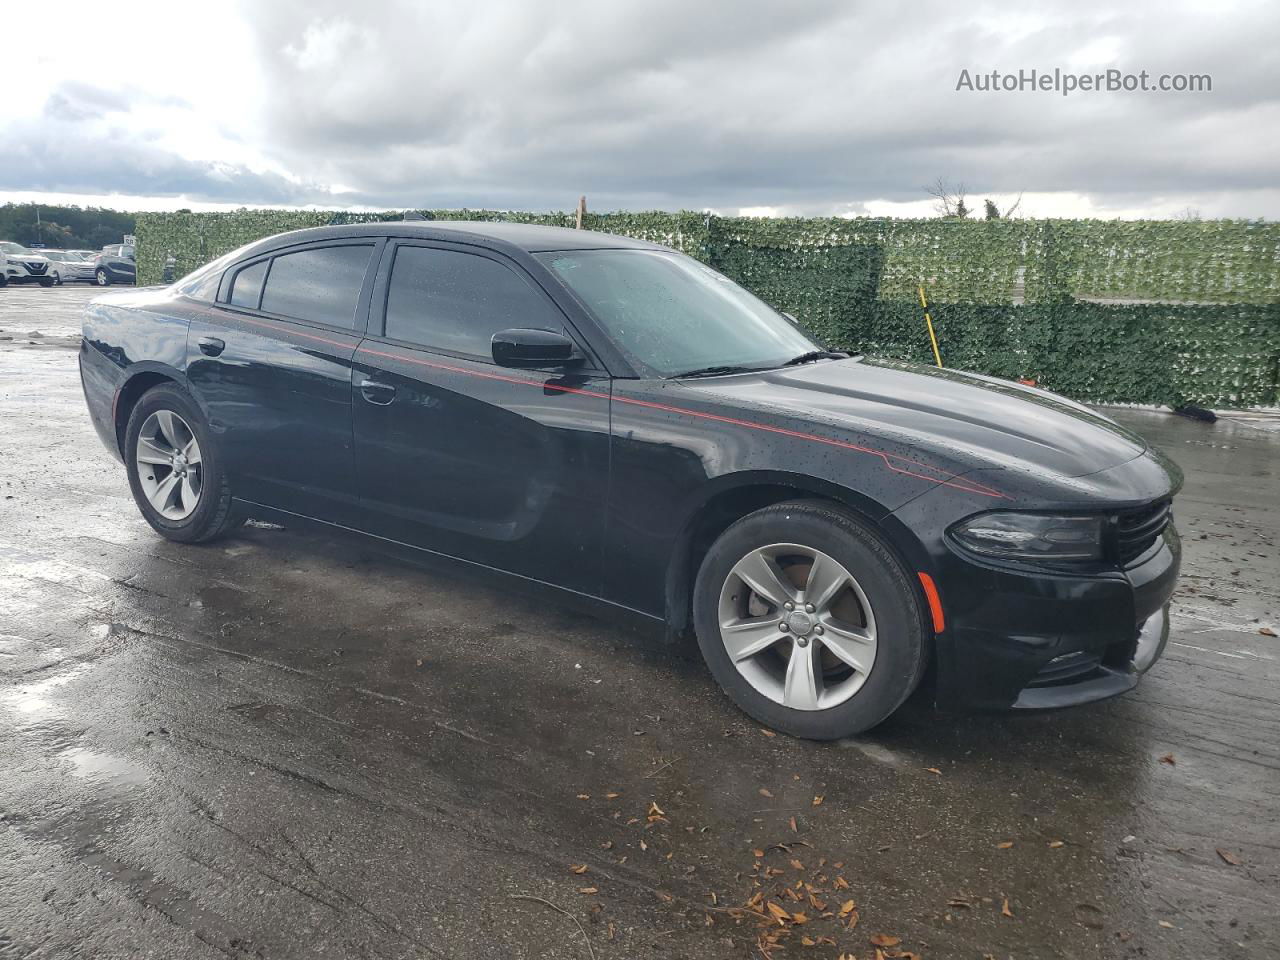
x=809 y=621
x=175 y=470
x=102 y=278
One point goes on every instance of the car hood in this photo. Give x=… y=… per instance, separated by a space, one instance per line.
x=975 y=421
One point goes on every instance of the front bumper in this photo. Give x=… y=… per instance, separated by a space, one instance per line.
x=1035 y=641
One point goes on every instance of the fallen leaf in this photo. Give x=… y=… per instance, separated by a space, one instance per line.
x=1168 y=758
x=584 y=796
x=842 y=883
x=885 y=940
x=809 y=941
x=1229 y=857
x=588 y=890
x=1055 y=844
x=794 y=828
x=767 y=733
x=797 y=865
x=817 y=801
x=764 y=792
x=1005 y=909
x=1004 y=845
x=1166 y=924
x=1266 y=631
x=612 y=796
x=799 y=918
x=779 y=913
x=846 y=908
x=959 y=902
x=758 y=853
x=607 y=845
x=655 y=810
x=934 y=770
x=578 y=868
x=643 y=845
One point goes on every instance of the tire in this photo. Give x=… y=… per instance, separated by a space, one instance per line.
x=57 y=279
x=212 y=514
x=102 y=278
x=46 y=281
x=891 y=644
x=4 y=281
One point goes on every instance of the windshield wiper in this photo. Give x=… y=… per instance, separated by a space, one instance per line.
x=815 y=355
x=712 y=372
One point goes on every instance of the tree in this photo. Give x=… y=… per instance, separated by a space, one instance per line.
x=949 y=200
x=76 y=228
x=993 y=211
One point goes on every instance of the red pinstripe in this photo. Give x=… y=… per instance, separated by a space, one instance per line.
x=968 y=486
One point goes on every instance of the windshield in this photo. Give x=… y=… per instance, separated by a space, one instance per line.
x=669 y=313
x=17 y=248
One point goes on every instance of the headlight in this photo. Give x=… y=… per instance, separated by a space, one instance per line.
x=1031 y=536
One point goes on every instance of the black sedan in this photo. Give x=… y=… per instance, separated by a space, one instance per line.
x=613 y=419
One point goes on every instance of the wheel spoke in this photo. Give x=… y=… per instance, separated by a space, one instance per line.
x=151 y=452
x=853 y=645
x=188 y=494
x=826 y=579
x=746 y=638
x=159 y=497
x=192 y=451
x=168 y=432
x=800 y=691
x=762 y=575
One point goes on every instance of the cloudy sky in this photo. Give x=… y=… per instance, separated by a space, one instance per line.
x=802 y=107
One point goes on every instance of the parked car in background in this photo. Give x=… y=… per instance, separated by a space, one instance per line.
x=20 y=265
x=67 y=266
x=615 y=419
x=115 y=264
x=85 y=254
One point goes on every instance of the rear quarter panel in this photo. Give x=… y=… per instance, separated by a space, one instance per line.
x=122 y=337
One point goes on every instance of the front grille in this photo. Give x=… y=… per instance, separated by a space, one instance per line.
x=1136 y=530
x=36 y=269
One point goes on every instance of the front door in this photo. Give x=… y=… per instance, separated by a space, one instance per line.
x=271 y=364
x=507 y=468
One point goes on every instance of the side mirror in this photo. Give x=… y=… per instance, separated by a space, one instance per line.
x=533 y=348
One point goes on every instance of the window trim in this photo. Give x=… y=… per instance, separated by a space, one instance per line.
x=360 y=319
x=591 y=365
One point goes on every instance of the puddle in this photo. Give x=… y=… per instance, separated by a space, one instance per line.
x=103 y=767
x=33 y=699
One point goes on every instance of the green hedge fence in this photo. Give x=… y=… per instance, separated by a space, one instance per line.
x=1106 y=311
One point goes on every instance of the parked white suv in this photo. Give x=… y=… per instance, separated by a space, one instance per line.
x=20 y=265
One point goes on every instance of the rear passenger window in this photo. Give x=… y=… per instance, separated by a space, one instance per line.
x=452 y=301
x=246 y=286
x=321 y=284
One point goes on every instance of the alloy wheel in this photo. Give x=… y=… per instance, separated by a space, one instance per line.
x=170 y=469
x=797 y=626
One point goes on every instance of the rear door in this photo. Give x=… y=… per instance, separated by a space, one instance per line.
x=508 y=468
x=272 y=366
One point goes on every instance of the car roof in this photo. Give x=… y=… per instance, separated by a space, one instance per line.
x=527 y=237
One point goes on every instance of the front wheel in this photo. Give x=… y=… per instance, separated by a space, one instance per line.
x=46 y=281
x=102 y=278
x=175 y=469
x=57 y=279
x=808 y=620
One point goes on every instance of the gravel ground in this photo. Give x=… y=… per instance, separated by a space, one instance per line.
x=284 y=745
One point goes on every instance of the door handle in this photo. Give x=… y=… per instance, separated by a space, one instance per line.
x=379 y=393
x=211 y=346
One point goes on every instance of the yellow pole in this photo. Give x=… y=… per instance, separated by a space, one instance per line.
x=928 y=322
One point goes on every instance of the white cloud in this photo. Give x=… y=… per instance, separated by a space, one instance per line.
x=816 y=108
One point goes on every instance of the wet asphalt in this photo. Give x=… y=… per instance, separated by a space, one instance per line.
x=285 y=745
